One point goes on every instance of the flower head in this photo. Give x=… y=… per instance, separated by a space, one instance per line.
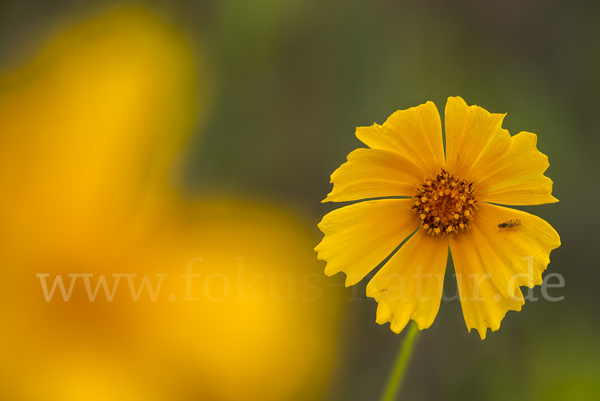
x=149 y=296
x=406 y=184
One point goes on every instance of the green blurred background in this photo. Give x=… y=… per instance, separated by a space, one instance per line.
x=282 y=86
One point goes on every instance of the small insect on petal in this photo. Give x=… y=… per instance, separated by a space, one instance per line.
x=514 y=223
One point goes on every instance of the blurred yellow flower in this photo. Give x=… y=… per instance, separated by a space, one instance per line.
x=451 y=205
x=90 y=125
x=113 y=287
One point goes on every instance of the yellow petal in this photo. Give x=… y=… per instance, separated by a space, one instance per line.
x=415 y=133
x=373 y=173
x=92 y=125
x=250 y=275
x=482 y=304
x=410 y=284
x=474 y=138
x=513 y=256
x=501 y=261
x=517 y=178
x=360 y=236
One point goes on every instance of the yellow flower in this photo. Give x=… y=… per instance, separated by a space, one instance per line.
x=232 y=308
x=452 y=204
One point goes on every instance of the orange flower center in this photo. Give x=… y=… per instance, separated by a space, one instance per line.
x=445 y=204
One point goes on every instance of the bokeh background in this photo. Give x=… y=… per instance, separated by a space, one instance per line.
x=138 y=137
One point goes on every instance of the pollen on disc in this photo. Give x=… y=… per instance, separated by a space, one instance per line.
x=445 y=204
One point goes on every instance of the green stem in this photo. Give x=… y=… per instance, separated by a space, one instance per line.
x=395 y=380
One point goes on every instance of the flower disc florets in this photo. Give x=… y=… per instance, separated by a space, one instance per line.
x=445 y=204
